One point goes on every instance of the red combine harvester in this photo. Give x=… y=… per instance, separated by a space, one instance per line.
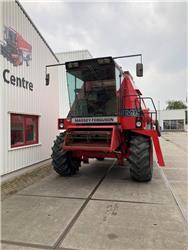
x=108 y=118
x=15 y=48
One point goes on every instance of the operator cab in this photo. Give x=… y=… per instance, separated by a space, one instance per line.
x=93 y=85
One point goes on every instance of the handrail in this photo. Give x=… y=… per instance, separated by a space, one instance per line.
x=139 y=109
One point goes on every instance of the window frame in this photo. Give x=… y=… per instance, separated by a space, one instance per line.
x=25 y=142
x=173 y=125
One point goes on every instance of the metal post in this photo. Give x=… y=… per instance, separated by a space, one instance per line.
x=159 y=114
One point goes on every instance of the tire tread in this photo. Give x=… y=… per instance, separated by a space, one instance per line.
x=62 y=160
x=141 y=158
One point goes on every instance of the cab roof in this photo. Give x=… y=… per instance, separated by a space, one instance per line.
x=102 y=68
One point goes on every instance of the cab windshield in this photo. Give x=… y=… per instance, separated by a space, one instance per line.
x=92 y=88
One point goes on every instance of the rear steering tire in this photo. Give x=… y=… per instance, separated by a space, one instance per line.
x=63 y=162
x=141 y=158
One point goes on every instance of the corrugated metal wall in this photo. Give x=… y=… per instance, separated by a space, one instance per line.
x=1 y=94
x=42 y=101
x=63 y=93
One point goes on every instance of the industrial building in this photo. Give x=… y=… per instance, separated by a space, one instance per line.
x=173 y=120
x=28 y=108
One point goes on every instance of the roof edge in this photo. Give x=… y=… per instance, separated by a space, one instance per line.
x=34 y=26
x=74 y=51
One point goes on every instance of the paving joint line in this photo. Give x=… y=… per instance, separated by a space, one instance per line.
x=24 y=244
x=77 y=215
x=52 y=196
x=126 y=201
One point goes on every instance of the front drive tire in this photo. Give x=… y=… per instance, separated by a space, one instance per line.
x=63 y=162
x=141 y=158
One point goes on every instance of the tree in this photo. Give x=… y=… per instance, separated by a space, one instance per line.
x=173 y=104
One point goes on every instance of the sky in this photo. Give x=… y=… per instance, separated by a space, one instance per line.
x=157 y=30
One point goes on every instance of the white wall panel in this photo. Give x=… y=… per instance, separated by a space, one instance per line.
x=176 y=114
x=63 y=92
x=42 y=101
x=1 y=96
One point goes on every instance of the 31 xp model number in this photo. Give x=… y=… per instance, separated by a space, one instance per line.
x=129 y=112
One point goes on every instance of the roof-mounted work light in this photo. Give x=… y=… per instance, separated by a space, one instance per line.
x=72 y=65
x=104 y=60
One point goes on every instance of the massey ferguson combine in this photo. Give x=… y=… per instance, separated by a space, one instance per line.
x=108 y=118
x=14 y=48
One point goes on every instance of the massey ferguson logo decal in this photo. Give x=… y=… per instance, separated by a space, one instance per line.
x=15 y=48
x=95 y=120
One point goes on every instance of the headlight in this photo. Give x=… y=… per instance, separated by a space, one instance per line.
x=60 y=123
x=138 y=124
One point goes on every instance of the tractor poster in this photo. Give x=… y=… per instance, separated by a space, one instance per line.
x=15 y=48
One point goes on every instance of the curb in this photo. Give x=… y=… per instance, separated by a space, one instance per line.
x=17 y=183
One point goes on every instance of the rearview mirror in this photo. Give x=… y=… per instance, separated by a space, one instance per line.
x=47 y=79
x=139 y=69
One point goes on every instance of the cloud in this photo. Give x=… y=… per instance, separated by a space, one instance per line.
x=157 y=30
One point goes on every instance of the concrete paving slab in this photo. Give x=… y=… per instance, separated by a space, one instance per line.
x=176 y=164
x=184 y=200
x=118 y=186
x=174 y=148
x=117 y=226
x=176 y=174
x=169 y=158
x=180 y=139
x=174 y=152
x=36 y=220
x=79 y=185
x=181 y=189
x=174 y=157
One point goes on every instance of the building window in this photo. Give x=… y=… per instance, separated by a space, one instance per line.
x=24 y=130
x=173 y=124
